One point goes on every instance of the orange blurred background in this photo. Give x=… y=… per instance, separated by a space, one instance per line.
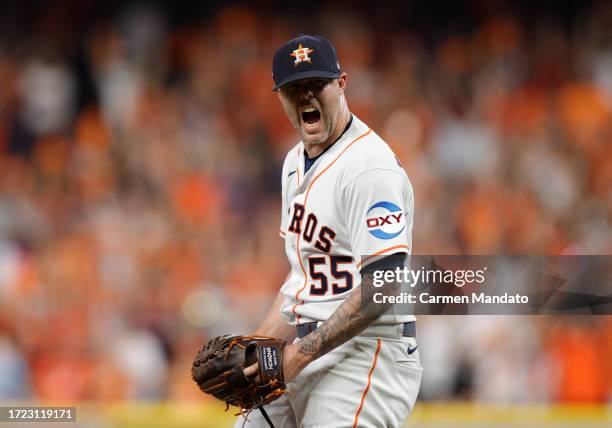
x=140 y=157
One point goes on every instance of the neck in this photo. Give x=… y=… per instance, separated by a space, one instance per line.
x=314 y=150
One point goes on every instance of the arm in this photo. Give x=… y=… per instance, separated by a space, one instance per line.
x=353 y=316
x=274 y=325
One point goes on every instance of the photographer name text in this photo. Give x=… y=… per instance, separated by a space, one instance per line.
x=474 y=298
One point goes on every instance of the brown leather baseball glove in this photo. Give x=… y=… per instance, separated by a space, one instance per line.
x=218 y=369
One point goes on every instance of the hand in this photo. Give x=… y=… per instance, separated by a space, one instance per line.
x=293 y=363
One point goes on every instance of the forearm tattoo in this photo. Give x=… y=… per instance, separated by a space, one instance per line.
x=356 y=313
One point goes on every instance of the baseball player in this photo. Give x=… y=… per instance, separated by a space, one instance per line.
x=347 y=207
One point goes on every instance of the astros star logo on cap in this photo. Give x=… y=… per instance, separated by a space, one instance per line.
x=301 y=54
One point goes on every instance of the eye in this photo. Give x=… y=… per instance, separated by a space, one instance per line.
x=320 y=84
x=289 y=89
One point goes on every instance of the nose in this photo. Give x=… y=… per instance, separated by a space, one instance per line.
x=306 y=94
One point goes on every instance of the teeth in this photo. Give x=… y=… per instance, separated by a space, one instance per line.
x=310 y=109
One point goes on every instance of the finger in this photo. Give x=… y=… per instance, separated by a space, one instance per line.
x=251 y=370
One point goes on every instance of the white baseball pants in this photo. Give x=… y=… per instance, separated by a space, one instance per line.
x=368 y=382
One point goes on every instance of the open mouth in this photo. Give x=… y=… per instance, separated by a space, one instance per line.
x=311 y=116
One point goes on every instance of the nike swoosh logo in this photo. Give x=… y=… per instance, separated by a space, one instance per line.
x=291 y=173
x=411 y=349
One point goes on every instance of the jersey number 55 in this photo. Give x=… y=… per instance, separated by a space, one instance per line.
x=320 y=285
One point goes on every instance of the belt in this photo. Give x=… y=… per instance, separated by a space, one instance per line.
x=408 y=330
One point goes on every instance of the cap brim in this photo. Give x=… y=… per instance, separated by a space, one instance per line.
x=306 y=75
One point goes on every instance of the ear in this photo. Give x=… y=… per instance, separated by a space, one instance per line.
x=342 y=80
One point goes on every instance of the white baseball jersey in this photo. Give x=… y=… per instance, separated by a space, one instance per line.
x=355 y=203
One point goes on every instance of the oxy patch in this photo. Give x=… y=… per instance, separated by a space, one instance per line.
x=385 y=220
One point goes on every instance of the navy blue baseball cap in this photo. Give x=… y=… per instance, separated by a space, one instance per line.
x=305 y=57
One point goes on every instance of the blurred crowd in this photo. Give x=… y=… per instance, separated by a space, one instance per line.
x=140 y=178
